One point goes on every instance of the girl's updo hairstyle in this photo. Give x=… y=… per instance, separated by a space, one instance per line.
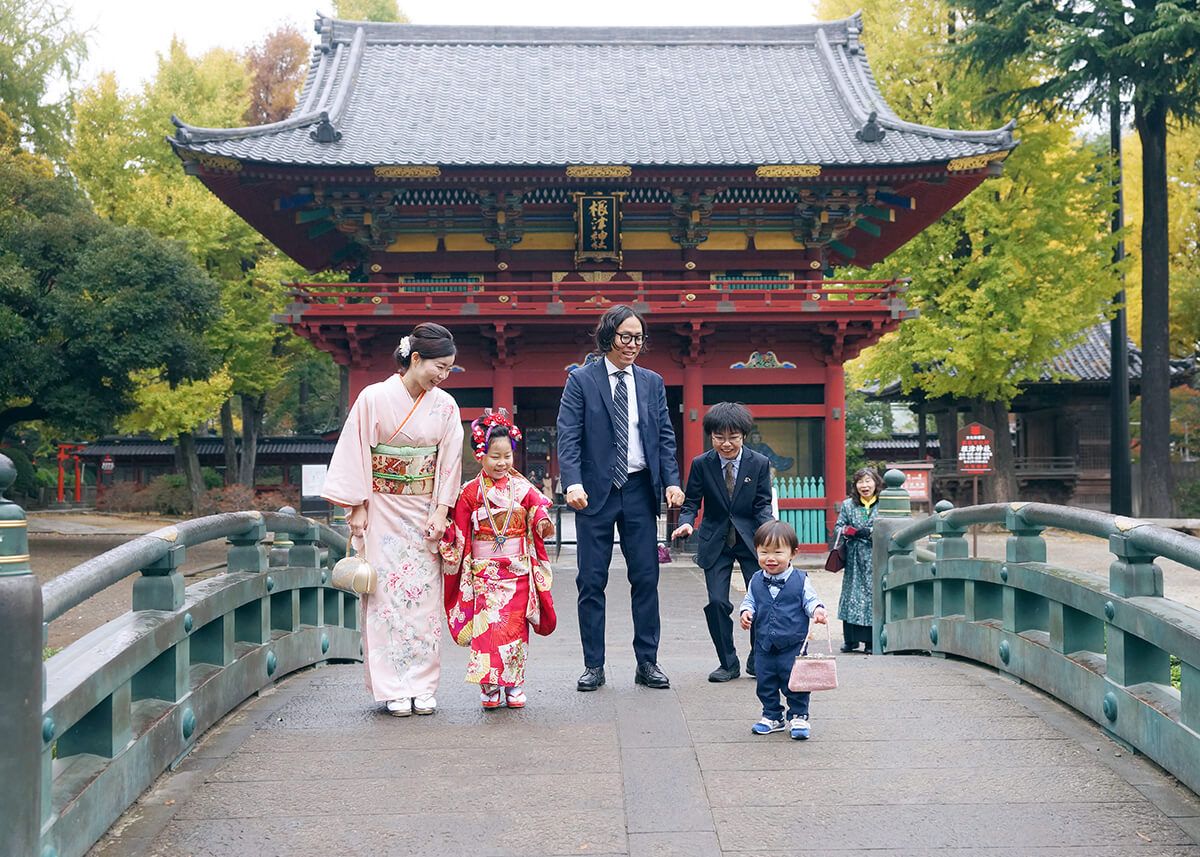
x=427 y=339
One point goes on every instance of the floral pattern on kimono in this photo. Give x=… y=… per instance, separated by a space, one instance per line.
x=491 y=593
x=402 y=622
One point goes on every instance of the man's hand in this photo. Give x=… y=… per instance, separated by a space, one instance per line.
x=819 y=616
x=577 y=499
x=674 y=497
x=747 y=619
x=682 y=531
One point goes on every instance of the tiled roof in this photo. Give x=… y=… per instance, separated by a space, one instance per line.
x=402 y=94
x=205 y=447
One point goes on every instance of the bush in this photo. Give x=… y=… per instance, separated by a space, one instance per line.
x=212 y=479
x=169 y=495
x=273 y=501
x=1187 y=499
x=123 y=497
x=26 y=483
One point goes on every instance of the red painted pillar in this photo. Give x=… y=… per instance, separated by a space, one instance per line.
x=62 y=475
x=502 y=385
x=693 y=413
x=835 y=438
x=78 y=480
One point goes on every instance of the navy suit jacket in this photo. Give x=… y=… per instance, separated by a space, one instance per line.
x=749 y=508
x=586 y=438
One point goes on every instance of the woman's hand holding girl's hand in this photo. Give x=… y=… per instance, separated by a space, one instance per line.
x=435 y=527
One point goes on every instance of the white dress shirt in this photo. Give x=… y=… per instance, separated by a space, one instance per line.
x=636 y=455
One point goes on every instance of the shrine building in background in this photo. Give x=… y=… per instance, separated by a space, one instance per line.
x=512 y=183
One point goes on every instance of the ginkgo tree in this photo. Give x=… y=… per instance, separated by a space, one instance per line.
x=1016 y=272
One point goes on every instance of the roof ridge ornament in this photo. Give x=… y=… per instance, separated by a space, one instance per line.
x=872 y=132
x=325 y=132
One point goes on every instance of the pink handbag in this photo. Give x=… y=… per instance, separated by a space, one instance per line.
x=814 y=672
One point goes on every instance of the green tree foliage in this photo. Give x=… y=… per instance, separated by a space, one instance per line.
x=369 y=10
x=84 y=302
x=1013 y=274
x=39 y=51
x=1147 y=52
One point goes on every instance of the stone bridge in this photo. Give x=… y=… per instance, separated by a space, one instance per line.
x=227 y=719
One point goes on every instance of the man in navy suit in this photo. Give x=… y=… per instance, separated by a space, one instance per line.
x=733 y=482
x=616 y=455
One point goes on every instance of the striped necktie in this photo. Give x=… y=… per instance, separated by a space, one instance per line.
x=620 y=474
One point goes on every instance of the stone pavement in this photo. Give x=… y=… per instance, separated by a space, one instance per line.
x=911 y=756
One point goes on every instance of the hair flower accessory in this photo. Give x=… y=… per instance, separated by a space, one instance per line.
x=483 y=428
x=406 y=346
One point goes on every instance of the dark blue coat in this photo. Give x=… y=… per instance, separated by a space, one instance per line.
x=748 y=510
x=586 y=438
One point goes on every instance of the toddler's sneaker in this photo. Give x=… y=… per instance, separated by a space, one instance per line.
x=766 y=726
x=515 y=696
x=800 y=729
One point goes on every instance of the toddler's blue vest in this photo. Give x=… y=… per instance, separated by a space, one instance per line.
x=780 y=623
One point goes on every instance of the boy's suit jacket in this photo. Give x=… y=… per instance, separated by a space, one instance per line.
x=749 y=508
x=586 y=437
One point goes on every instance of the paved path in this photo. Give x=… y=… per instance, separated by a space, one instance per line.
x=912 y=756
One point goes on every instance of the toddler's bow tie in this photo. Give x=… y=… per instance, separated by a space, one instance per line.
x=774 y=580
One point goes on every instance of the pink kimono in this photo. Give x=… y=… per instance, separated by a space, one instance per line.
x=401 y=476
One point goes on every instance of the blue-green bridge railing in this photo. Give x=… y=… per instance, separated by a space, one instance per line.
x=1112 y=647
x=92 y=728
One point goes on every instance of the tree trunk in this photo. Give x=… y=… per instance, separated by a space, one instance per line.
x=303 y=420
x=190 y=460
x=343 y=393
x=947 y=431
x=252 y=415
x=1000 y=486
x=229 y=437
x=1151 y=123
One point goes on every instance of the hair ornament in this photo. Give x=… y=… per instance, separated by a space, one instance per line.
x=406 y=346
x=483 y=428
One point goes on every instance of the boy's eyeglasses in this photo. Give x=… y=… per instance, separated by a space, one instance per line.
x=630 y=338
x=722 y=439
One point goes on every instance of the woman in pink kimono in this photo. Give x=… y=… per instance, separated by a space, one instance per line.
x=397 y=468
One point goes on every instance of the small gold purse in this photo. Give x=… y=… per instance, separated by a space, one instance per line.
x=353 y=573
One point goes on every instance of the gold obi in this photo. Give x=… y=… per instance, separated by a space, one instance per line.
x=403 y=469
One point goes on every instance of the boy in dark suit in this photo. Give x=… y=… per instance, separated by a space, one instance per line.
x=733 y=483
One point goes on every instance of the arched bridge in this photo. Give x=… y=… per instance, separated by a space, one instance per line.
x=1058 y=716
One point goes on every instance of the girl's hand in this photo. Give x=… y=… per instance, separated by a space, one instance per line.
x=357 y=520
x=819 y=616
x=545 y=528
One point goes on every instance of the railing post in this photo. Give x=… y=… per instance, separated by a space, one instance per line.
x=1131 y=659
x=281 y=543
x=895 y=511
x=22 y=678
x=161 y=585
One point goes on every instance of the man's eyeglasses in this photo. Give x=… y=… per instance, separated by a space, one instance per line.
x=630 y=338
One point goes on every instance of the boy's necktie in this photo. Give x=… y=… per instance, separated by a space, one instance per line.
x=731 y=536
x=620 y=474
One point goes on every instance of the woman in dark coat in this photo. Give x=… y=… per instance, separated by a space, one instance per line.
x=856 y=518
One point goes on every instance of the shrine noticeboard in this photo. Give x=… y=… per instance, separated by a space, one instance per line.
x=976 y=443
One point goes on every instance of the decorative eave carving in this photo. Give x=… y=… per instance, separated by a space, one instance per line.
x=788 y=171
x=975 y=162
x=503 y=218
x=407 y=172
x=690 y=215
x=599 y=172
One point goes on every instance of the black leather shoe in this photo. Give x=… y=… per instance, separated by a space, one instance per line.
x=650 y=675
x=725 y=674
x=750 y=666
x=849 y=647
x=592 y=679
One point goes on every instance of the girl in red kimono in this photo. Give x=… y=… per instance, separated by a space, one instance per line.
x=499 y=576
